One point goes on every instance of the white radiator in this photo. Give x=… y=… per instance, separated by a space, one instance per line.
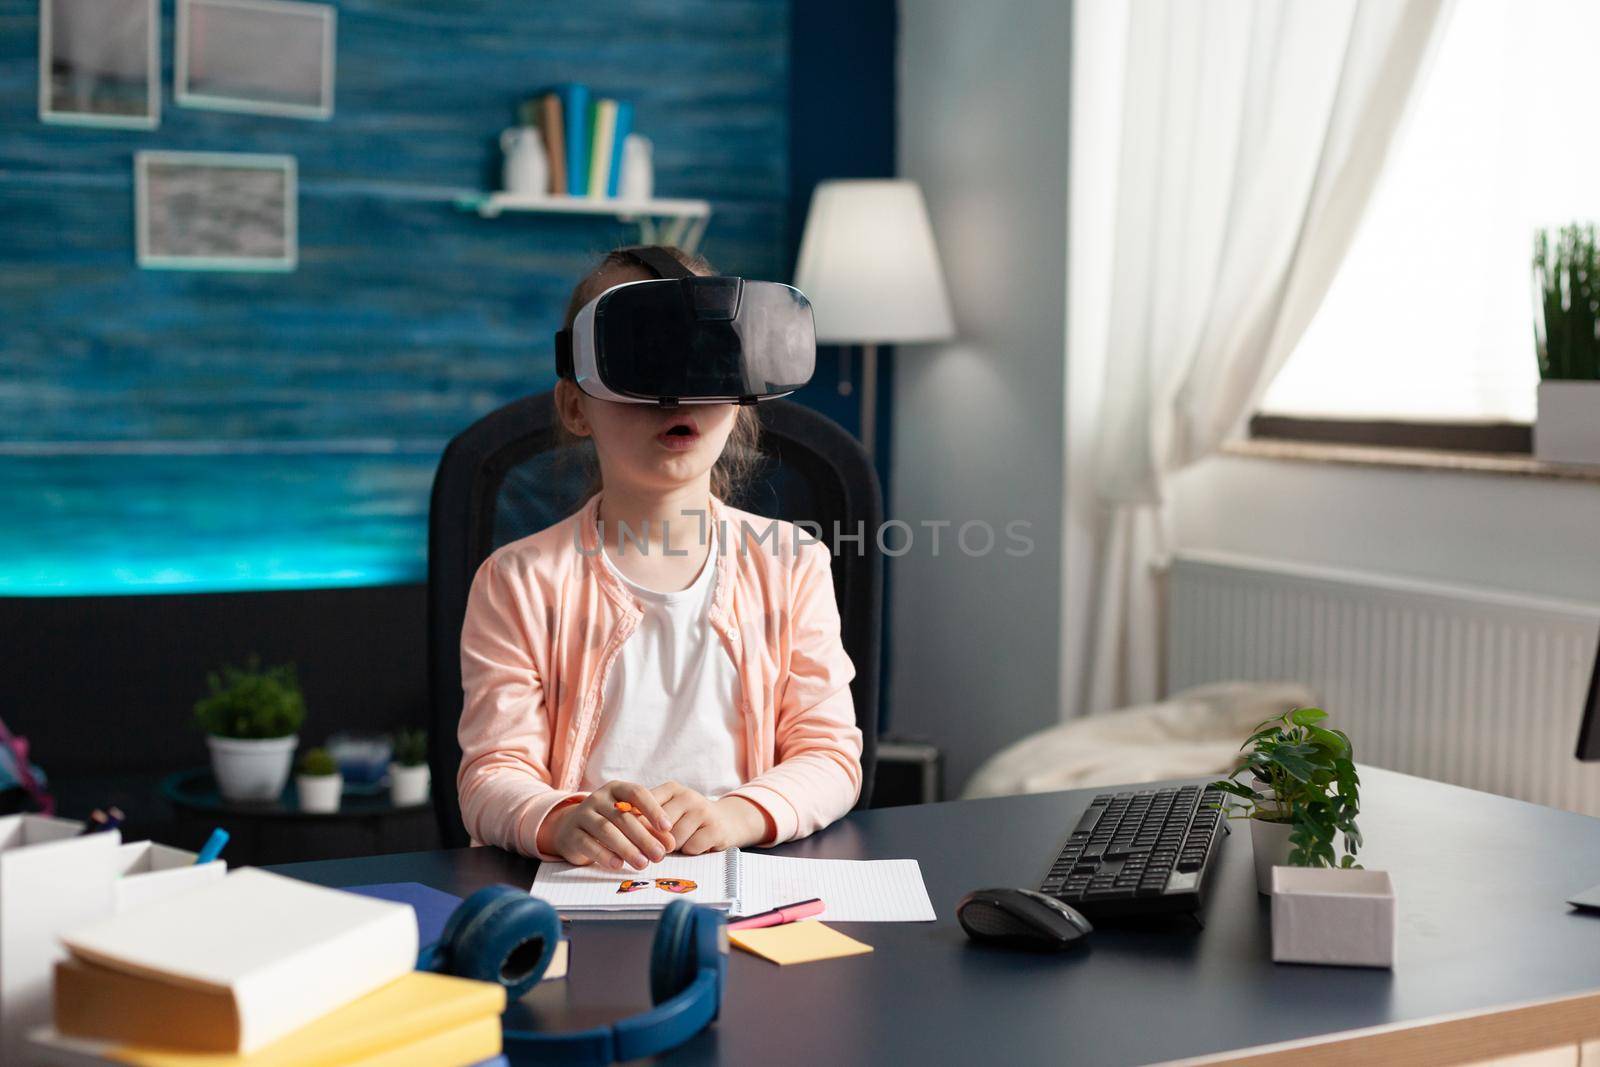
x=1462 y=685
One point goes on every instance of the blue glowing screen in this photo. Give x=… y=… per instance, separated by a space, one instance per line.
x=79 y=525
x=172 y=431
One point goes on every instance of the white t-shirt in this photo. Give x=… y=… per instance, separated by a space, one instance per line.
x=670 y=711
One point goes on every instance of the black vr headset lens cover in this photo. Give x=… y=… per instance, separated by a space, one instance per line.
x=690 y=339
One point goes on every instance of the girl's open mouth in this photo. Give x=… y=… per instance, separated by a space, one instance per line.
x=680 y=435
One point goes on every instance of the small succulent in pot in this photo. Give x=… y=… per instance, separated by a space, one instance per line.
x=319 y=782
x=409 y=776
x=318 y=763
x=410 y=747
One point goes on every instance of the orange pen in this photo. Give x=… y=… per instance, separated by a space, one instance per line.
x=624 y=807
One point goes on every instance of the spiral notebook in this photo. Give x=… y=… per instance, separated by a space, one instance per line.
x=742 y=883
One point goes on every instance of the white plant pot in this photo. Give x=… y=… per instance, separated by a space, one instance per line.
x=1332 y=915
x=1269 y=843
x=319 y=792
x=408 y=786
x=1568 y=427
x=251 y=769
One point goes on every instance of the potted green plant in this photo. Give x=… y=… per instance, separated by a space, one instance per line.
x=252 y=718
x=319 y=782
x=1300 y=793
x=1566 y=271
x=409 y=777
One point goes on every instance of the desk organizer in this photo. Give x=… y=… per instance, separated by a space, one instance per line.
x=147 y=871
x=51 y=880
x=1333 y=916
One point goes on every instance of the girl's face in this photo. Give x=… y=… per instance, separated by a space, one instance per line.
x=643 y=447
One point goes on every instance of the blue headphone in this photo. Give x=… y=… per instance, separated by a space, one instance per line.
x=500 y=934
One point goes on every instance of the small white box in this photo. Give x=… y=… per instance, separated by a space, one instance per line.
x=147 y=871
x=1334 y=916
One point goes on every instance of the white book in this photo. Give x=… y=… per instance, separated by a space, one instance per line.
x=743 y=883
x=287 y=952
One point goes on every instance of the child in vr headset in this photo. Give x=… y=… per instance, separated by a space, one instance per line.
x=660 y=672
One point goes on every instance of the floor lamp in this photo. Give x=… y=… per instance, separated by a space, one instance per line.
x=870 y=267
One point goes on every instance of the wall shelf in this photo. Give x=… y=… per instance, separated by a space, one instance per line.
x=675 y=222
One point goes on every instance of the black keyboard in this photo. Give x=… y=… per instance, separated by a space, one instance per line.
x=1139 y=853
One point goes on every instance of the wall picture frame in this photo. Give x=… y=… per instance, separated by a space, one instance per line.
x=100 y=63
x=266 y=57
x=231 y=211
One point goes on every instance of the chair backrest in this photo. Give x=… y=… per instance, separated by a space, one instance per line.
x=508 y=475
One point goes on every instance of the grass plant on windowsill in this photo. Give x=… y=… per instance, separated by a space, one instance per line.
x=1566 y=272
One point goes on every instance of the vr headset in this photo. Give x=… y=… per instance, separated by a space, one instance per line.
x=686 y=339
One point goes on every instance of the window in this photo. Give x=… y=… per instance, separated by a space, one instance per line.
x=1431 y=316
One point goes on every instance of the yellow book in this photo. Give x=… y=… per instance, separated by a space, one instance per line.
x=421 y=1020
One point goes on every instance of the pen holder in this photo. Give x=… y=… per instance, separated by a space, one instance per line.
x=147 y=871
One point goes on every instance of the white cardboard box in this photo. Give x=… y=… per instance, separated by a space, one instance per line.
x=147 y=871
x=1333 y=916
x=51 y=880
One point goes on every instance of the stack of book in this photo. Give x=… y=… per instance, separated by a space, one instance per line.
x=256 y=970
x=582 y=137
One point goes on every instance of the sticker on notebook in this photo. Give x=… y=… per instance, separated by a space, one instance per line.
x=671 y=885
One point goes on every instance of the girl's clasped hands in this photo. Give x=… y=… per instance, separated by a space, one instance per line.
x=623 y=824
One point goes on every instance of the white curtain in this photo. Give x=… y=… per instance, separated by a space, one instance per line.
x=1252 y=134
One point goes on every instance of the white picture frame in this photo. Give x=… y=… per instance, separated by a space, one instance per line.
x=230 y=211
x=265 y=57
x=91 y=54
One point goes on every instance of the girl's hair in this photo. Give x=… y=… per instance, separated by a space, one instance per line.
x=741 y=457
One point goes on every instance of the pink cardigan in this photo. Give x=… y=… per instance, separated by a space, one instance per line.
x=545 y=620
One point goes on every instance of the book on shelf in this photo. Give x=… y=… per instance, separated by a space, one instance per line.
x=602 y=130
x=575 y=123
x=583 y=137
x=621 y=129
x=553 y=133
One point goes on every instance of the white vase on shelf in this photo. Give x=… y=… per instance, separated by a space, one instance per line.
x=526 y=171
x=638 y=177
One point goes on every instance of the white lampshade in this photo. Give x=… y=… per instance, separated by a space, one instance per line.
x=869 y=265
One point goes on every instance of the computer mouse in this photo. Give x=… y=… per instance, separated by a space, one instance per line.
x=1021 y=918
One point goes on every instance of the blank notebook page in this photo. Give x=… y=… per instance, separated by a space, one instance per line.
x=852 y=891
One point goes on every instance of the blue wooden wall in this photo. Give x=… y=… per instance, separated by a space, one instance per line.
x=184 y=431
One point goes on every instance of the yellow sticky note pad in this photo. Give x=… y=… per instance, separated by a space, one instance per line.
x=801 y=942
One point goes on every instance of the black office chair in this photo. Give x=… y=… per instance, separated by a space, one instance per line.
x=507 y=476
